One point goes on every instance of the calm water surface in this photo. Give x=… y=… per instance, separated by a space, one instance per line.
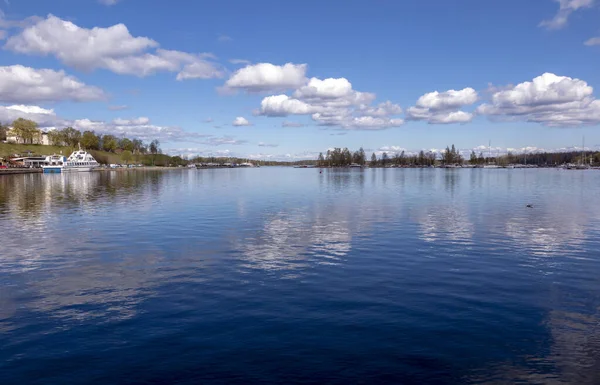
x=288 y=275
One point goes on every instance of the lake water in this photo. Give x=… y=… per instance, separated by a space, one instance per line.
x=288 y=275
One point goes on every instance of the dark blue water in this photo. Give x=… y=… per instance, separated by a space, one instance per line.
x=287 y=275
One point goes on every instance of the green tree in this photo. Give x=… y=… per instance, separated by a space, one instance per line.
x=26 y=130
x=90 y=141
x=473 y=158
x=3 y=131
x=373 y=160
x=137 y=145
x=362 y=157
x=421 y=161
x=321 y=160
x=384 y=159
x=56 y=138
x=154 y=147
x=126 y=156
x=71 y=136
x=480 y=158
x=109 y=143
x=126 y=144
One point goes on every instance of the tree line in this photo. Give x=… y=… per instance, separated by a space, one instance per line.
x=27 y=132
x=339 y=157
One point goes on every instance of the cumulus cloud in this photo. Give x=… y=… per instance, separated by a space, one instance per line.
x=112 y=48
x=333 y=102
x=383 y=109
x=443 y=107
x=567 y=7
x=240 y=121
x=45 y=118
x=549 y=99
x=291 y=124
x=283 y=105
x=267 y=77
x=19 y=84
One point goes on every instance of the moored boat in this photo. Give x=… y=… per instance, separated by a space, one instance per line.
x=78 y=161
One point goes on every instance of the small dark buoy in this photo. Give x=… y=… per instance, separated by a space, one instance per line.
x=320 y=172
x=530 y=206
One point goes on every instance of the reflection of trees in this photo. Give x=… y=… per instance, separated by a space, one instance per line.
x=32 y=195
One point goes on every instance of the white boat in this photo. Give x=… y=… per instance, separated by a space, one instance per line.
x=77 y=161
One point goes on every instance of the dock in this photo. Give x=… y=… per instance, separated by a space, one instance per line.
x=14 y=171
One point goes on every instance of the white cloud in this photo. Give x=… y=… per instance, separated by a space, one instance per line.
x=442 y=107
x=208 y=120
x=31 y=109
x=262 y=144
x=112 y=48
x=108 y=2
x=452 y=99
x=291 y=124
x=593 y=41
x=240 y=121
x=283 y=105
x=332 y=93
x=451 y=117
x=383 y=109
x=19 y=84
x=265 y=77
x=567 y=7
x=549 y=99
x=333 y=102
x=131 y=122
x=393 y=149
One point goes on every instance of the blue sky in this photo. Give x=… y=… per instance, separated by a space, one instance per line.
x=522 y=74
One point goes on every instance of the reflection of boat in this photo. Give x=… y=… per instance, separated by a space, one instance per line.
x=78 y=161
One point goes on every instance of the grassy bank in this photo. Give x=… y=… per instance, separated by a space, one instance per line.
x=7 y=150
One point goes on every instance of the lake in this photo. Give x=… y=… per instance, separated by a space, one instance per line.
x=289 y=275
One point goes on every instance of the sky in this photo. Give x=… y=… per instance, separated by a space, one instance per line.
x=267 y=79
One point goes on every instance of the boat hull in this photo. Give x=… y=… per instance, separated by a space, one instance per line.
x=52 y=170
x=77 y=169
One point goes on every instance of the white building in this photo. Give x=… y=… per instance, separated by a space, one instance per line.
x=43 y=138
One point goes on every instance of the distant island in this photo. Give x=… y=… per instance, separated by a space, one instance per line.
x=339 y=157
